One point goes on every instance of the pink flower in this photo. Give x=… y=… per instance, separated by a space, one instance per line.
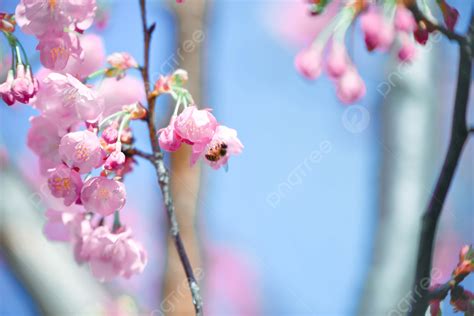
x=168 y=139
x=56 y=48
x=404 y=20
x=350 y=87
x=93 y=57
x=122 y=61
x=115 y=160
x=378 y=33
x=308 y=63
x=110 y=133
x=217 y=152
x=65 y=183
x=195 y=126
x=67 y=101
x=24 y=87
x=113 y=254
x=407 y=50
x=337 y=60
x=6 y=89
x=39 y=16
x=43 y=139
x=81 y=150
x=57 y=226
x=103 y=196
x=117 y=93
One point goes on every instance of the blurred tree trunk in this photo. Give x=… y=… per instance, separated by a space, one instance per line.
x=46 y=269
x=409 y=123
x=185 y=180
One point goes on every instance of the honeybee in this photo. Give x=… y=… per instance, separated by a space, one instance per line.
x=216 y=152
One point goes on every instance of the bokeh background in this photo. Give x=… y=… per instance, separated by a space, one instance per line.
x=279 y=233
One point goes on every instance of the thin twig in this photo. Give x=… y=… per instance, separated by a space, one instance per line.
x=458 y=138
x=420 y=17
x=161 y=172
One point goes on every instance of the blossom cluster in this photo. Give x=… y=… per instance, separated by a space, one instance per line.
x=82 y=154
x=56 y=24
x=83 y=135
x=195 y=127
x=20 y=85
x=386 y=25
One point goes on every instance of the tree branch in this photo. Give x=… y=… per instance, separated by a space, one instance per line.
x=161 y=172
x=458 y=138
x=420 y=17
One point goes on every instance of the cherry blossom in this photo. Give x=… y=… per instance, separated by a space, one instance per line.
x=103 y=195
x=65 y=183
x=81 y=150
x=195 y=126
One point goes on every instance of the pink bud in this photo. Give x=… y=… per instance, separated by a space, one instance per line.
x=110 y=134
x=378 y=34
x=308 y=63
x=407 y=50
x=350 y=87
x=23 y=87
x=5 y=89
x=115 y=160
x=404 y=20
x=337 y=60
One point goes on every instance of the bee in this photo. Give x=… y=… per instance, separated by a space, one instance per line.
x=216 y=152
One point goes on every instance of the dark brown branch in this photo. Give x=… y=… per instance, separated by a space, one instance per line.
x=420 y=17
x=458 y=138
x=161 y=172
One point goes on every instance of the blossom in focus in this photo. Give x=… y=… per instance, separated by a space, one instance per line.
x=6 y=89
x=168 y=139
x=112 y=254
x=115 y=160
x=65 y=183
x=81 y=150
x=223 y=144
x=103 y=195
x=195 y=126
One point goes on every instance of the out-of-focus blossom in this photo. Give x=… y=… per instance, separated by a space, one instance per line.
x=308 y=62
x=103 y=196
x=65 y=183
x=378 y=33
x=120 y=62
x=43 y=139
x=350 y=87
x=113 y=254
x=337 y=61
x=81 y=150
x=407 y=50
x=93 y=57
x=57 y=224
x=404 y=20
x=115 y=160
x=67 y=101
x=117 y=93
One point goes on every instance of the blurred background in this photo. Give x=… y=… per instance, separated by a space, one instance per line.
x=318 y=216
